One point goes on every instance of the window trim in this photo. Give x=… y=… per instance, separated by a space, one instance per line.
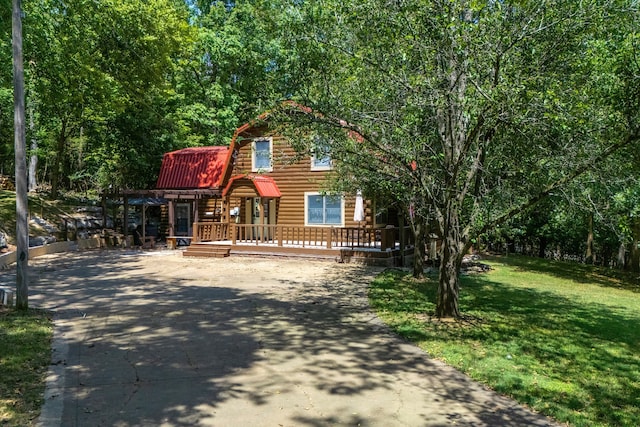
x=306 y=209
x=253 y=155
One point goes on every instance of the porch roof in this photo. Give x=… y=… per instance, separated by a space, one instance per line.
x=265 y=185
x=192 y=168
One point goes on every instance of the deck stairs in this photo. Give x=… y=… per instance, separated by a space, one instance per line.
x=207 y=250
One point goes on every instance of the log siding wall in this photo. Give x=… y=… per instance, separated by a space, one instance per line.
x=294 y=178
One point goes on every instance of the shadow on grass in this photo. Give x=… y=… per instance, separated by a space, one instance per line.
x=24 y=359
x=578 y=362
x=592 y=347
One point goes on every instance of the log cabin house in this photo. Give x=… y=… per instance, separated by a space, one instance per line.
x=259 y=196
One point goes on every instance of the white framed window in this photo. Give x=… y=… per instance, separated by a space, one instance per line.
x=261 y=155
x=321 y=158
x=322 y=209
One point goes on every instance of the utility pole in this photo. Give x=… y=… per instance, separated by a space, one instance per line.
x=22 y=226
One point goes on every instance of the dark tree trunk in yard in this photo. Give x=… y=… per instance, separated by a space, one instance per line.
x=419 y=230
x=449 y=282
x=622 y=255
x=590 y=256
x=607 y=253
x=451 y=255
x=543 y=247
x=635 y=251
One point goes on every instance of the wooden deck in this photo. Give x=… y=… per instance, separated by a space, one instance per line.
x=342 y=244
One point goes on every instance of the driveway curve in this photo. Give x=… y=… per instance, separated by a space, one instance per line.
x=156 y=339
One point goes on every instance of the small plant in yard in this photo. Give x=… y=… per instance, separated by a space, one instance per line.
x=562 y=339
x=25 y=342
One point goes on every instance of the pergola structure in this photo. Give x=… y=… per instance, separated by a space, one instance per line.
x=146 y=198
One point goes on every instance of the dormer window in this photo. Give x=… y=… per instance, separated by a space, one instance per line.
x=321 y=159
x=261 y=155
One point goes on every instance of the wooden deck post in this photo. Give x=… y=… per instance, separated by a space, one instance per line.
x=329 y=238
x=172 y=220
x=194 y=232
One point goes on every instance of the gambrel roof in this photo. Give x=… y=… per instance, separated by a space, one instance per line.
x=193 y=168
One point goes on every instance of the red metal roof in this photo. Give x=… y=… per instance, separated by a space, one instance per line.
x=265 y=185
x=192 y=168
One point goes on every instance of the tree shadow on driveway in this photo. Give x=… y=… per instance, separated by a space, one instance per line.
x=164 y=340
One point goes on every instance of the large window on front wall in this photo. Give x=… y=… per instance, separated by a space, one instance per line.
x=323 y=209
x=261 y=155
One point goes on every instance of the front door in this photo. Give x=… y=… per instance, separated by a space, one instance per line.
x=260 y=211
x=183 y=219
x=260 y=216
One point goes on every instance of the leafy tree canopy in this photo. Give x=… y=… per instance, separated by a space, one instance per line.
x=469 y=112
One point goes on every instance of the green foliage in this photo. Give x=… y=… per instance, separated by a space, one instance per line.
x=6 y=130
x=559 y=337
x=113 y=85
x=6 y=90
x=234 y=70
x=88 y=65
x=25 y=356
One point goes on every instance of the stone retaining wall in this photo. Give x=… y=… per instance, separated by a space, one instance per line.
x=6 y=294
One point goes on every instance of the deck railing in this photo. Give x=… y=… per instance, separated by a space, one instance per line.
x=295 y=235
x=210 y=231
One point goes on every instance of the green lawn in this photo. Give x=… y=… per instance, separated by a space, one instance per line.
x=562 y=338
x=25 y=355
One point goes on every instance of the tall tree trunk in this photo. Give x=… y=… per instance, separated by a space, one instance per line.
x=22 y=226
x=622 y=256
x=590 y=257
x=542 y=249
x=607 y=253
x=451 y=255
x=635 y=251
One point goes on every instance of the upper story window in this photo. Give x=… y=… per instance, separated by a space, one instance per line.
x=262 y=155
x=321 y=159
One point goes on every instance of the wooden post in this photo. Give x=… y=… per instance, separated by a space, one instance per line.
x=171 y=218
x=22 y=224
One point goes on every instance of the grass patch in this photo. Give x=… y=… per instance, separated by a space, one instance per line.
x=50 y=209
x=560 y=338
x=25 y=355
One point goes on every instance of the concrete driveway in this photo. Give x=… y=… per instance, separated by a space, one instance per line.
x=155 y=339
